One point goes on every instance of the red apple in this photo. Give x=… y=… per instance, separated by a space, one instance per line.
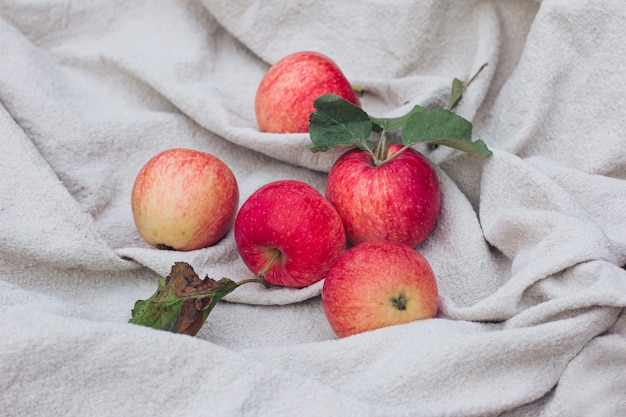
x=378 y=284
x=395 y=200
x=287 y=233
x=285 y=96
x=184 y=199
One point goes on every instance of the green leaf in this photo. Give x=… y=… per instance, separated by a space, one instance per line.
x=458 y=87
x=393 y=123
x=478 y=147
x=182 y=301
x=337 y=122
x=442 y=127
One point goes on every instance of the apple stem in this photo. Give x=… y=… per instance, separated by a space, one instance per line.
x=276 y=255
x=357 y=89
x=381 y=150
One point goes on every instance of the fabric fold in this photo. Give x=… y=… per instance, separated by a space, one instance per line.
x=529 y=248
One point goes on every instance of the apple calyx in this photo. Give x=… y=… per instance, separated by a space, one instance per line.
x=336 y=122
x=399 y=302
x=163 y=246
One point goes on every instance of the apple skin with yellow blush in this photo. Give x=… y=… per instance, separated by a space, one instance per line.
x=184 y=199
x=285 y=95
x=378 y=284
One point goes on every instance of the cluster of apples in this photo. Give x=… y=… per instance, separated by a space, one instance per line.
x=360 y=237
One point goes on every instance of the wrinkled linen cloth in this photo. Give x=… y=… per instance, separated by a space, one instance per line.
x=528 y=250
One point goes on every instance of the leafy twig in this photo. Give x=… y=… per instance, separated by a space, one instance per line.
x=337 y=122
x=183 y=301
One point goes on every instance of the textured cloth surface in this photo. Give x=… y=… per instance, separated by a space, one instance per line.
x=528 y=250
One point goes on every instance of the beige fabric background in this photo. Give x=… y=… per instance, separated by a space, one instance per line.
x=528 y=250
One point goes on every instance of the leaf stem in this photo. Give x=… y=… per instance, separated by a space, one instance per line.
x=467 y=84
x=395 y=155
x=249 y=280
x=453 y=103
x=368 y=150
